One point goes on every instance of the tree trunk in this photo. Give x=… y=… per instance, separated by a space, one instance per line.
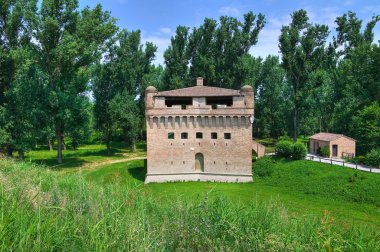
x=133 y=146
x=9 y=151
x=63 y=142
x=50 y=144
x=295 y=125
x=21 y=154
x=60 y=143
x=108 y=148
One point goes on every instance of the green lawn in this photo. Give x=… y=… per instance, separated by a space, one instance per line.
x=85 y=155
x=303 y=187
x=100 y=203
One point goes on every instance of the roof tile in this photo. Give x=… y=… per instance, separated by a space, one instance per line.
x=199 y=91
x=328 y=136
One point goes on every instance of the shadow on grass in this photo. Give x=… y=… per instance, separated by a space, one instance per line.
x=81 y=153
x=52 y=163
x=138 y=173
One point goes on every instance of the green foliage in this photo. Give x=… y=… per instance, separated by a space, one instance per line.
x=361 y=159
x=125 y=116
x=367 y=127
x=373 y=158
x=271 y=103
x=299 y=151
x=264 y=167
x=302 y=46
x=287 y=149
x=123 y=78
x=71 y=41
x=324 y=151
x=284 y=148
x=218 y=51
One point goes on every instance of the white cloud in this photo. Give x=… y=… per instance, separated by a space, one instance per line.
x=166 y=30
x=229 y=11
x=268 y=37
x=162 y=43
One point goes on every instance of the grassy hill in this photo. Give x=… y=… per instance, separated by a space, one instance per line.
x=94 y=202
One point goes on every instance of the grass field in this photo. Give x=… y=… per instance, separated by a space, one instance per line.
x=95 y=202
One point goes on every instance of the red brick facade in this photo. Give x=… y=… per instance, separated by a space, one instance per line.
x=199 y=141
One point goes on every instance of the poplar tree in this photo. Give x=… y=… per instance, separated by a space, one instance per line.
x=69 y=42
x=118 y=86
x=303 y=50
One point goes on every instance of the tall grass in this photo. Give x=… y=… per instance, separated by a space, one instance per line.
x=42 y=210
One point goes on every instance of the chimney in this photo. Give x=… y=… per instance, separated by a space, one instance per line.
x=200 y=81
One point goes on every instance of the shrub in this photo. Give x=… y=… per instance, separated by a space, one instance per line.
x=361 y=159
x=325 y=151
x=299 y=151
x=263 y=167
x=373 y=158
x=285 y=138
x=284 y=148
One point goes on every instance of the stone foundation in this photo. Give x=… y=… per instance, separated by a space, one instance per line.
x=203 y=176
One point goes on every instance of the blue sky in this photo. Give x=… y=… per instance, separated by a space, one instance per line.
x=158 y=20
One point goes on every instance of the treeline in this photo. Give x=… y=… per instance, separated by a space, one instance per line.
x=69 y=75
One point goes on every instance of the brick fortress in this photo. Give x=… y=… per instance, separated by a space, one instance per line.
x=199 y=133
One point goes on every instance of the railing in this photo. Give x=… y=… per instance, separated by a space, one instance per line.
x=334 y=161
x=348 y=155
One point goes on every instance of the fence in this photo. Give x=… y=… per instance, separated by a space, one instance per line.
x=342 y=163
x=348 y=155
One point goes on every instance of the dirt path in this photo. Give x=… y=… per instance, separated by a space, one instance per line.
x=95 y=165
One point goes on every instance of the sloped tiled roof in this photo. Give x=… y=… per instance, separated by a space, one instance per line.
x=328 y=136
x=199 y=91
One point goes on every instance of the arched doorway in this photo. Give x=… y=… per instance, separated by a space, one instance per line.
x=199 y=162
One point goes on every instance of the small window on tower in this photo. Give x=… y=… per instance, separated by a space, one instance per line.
x=199 y=135
x=171 y=135
x=183 y=135
x=214 y=135
x=227 y=135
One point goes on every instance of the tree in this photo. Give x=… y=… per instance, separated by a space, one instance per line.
x=303 y=50
x=356 y=79
x=127 y=67
x=366 y=125
x=176 y=60
x=69 y=42
x=217 y=51
x=270 y=99
x=18 y=76
x=318 y=103
x=349 y=34
x=25 y=101
x=126 y=117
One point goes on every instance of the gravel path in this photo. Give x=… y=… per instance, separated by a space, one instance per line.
x=341 y=162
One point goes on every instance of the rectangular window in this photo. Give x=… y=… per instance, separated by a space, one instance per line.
x=171 y=135
x=199 y=135
x=214 y=135
x=227 y=135
x=183 y=135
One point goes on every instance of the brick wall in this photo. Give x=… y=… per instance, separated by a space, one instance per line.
x=174 y=159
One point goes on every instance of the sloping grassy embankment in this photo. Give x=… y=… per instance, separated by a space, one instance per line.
x=109 y=208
